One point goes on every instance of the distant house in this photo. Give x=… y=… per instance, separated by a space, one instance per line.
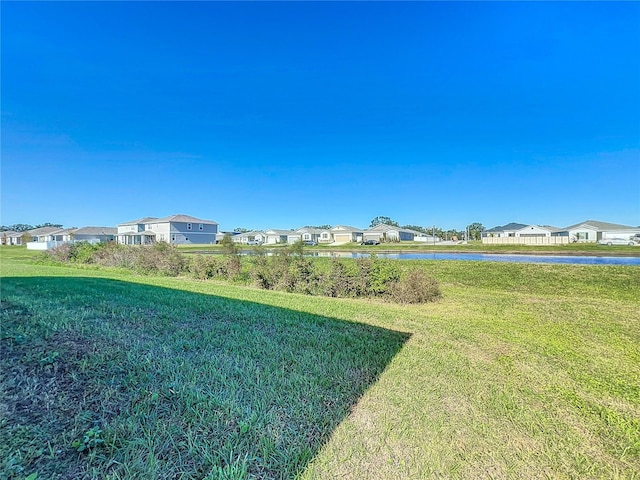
x=94 y=234
x=538 y=231
x=253 y=237
x=594 y=230
x=389 y=233
x=43 y=234
x=7 y=235
x=508 y=230
x=274 y=236
x=345 y=234
x=526 y=235
x=175 y=229
x=309 y=234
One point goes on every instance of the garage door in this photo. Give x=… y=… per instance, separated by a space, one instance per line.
x=342 y=237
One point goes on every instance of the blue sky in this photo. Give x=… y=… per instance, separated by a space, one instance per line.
x=278 y=115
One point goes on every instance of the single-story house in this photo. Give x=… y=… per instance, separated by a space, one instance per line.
x=275 y=235
x=508 y=230
x=7 y=236
x=594 y=230
x=309 y=234
x=63 y=235
x=345 y=234
x=94 y=234
x=389 y=233
x=538 y=231
x=253 y=237
x=529 y=235
x=43 y=234
x=176 y=229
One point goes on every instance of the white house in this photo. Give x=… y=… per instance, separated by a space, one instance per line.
x=313 y=234
x=274 y=236
x=253 y=237
x=508 y=230
x=594 y=230
x=7 y=237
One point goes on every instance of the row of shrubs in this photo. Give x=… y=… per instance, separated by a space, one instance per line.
x=288 y=270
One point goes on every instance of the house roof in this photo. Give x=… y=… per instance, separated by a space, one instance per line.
x=599 y=225
x=43 y=231
x=66 y=230
x=549 y=228
x=252 y=232
x=508 y=227
x=138 y=221
x=275 y=231
x=9 y=233
x=346 y=229
x=310 y=230
x=383 y=227
x=96 y=231
x=179 y=217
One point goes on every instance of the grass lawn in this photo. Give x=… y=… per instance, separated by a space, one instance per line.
x=520 y=371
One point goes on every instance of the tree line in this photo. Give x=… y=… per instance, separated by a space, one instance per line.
x=23 y=227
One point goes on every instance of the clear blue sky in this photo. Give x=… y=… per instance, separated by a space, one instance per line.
x=278 y=115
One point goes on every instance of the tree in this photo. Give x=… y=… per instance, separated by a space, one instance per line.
x=382 y=219
x=415 y=227
x=475 y=230
x=18 y=227
x=319 y=227
x=26 y=238
x=229 y=247
x=57 y=225
x=241 y=230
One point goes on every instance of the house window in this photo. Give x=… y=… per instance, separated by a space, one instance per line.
x=325 y=235
x=188 y=226
x=200 y=226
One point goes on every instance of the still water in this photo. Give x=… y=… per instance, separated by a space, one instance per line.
x=485 y=257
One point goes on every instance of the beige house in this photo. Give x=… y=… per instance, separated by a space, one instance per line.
x=346 y=234
x=175 y=229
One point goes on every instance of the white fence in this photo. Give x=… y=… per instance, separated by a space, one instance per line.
x=525 y=240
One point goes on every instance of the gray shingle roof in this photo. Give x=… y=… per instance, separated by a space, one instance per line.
x=179 y=217
x=509 y=226
x=138 y=221
x=96 y=231
x=346 y=229
x=600 y=225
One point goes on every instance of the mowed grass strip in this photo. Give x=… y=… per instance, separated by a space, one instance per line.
x=520 y=371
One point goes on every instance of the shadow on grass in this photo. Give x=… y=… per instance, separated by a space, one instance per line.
x=177 y=384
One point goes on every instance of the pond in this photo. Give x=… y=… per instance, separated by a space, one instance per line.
x=486 y=257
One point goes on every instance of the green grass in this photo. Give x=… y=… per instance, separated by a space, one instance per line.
x=520 y=371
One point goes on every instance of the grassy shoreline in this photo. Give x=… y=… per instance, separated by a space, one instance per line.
x=520 y=371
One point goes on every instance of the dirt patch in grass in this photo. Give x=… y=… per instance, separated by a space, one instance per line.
x=48 y=398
